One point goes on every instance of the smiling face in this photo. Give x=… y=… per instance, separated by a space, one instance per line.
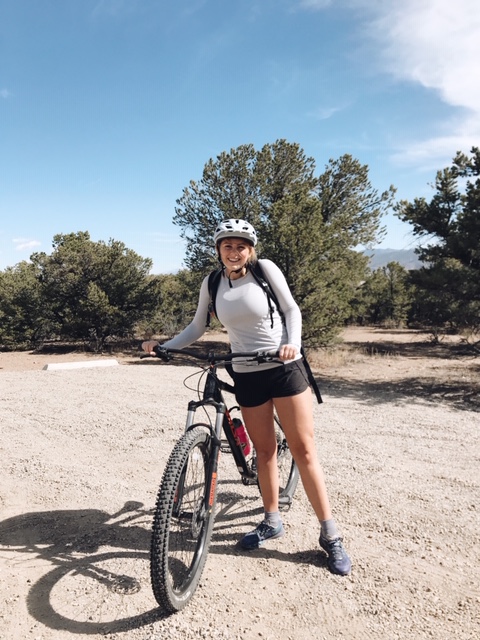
x=234 y=253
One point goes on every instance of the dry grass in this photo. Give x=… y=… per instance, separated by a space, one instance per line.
x=374 y=361
x=345 y=355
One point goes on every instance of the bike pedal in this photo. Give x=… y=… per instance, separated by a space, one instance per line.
x=225 y=447
x=284 y=503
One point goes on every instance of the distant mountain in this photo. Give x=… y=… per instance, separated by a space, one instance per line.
x=381 y=257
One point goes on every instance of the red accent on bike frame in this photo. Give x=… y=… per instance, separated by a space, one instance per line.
x=212 y=489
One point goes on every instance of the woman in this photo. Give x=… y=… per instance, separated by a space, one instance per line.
x=242 y=307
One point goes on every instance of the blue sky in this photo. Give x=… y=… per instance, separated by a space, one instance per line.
x=108 y=108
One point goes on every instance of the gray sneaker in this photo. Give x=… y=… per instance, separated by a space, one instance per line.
x=338 y=560
x=258 y=536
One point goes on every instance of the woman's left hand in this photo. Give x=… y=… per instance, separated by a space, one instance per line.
x=287 y=352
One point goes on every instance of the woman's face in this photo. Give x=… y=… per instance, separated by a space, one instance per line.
x=234 y=253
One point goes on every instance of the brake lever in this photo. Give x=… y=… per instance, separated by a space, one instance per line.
x=162 y=353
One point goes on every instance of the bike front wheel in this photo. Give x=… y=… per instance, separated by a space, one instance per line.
x=183 y=521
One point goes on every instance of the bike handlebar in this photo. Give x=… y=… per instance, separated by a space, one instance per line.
x=211 y=357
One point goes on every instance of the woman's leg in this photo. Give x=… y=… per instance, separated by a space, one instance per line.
x=296 y=417
x=259 y=424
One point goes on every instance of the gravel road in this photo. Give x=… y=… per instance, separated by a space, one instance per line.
x=83 y=452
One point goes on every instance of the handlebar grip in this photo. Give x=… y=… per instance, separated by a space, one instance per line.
x=270 y=354
x=162 y=353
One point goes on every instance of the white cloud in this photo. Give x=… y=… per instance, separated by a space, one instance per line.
x=434 y=153
x=23 y=244
x=435 y=43
x=324 y=113
x=5 y=93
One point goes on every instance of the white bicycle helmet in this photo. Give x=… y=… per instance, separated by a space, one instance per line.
x=235 y=229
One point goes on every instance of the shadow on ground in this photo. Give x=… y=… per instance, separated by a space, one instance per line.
x=460 y=395
x=457 y=383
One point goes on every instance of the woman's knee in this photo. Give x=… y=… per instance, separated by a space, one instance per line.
x=303 y=450
x=265 y=452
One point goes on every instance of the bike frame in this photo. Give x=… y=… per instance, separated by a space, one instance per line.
x=212 y=396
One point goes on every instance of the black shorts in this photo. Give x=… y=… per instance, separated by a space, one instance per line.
x=256 y=388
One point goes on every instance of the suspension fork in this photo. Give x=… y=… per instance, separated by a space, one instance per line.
x=214 y=444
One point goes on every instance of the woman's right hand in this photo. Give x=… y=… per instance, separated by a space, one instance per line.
x=149 y=345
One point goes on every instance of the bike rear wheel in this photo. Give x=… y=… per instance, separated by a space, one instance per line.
x=183 y=521
x=287 y=469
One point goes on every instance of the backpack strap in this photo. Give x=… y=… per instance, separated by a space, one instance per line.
x=259 y=276
x=257 y=272
x=311 y=377
x=213 y=282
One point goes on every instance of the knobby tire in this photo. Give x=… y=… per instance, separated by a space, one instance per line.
x=182 y=527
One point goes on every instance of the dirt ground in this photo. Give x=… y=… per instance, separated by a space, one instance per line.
x=83 y=451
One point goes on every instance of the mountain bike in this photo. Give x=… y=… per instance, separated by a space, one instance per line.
x=185 y=507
